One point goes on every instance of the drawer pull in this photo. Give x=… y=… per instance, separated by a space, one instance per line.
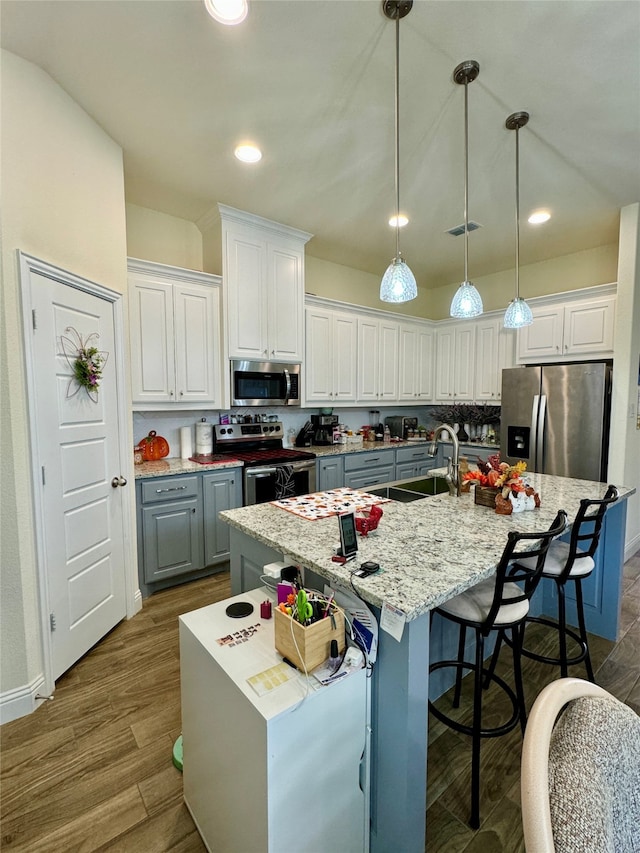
x=172 y=489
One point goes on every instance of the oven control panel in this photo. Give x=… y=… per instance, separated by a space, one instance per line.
x=248 y=432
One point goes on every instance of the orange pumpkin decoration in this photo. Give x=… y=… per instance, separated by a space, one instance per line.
x=153 y=447
x=492 y=477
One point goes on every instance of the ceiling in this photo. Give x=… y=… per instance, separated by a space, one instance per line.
x=312 y=83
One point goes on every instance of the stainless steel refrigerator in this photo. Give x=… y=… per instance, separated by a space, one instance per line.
x=556 y=418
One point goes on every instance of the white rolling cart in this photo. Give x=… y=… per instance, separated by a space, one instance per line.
x=282 y=772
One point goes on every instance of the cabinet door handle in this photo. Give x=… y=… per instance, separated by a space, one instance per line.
x=181 y=393
x=171 y=489
x=171 y=393
x=118 y=481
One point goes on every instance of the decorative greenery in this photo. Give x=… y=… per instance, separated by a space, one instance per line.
x=85 y=360
x=87 y=368
x=465 y=414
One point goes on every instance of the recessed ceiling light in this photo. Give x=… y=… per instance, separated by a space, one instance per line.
x=248 y=153
x=402 y=221
x=229 y=12
x=539 y=216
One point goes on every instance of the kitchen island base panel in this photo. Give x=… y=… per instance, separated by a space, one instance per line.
x=248 y=559
x=399 y=720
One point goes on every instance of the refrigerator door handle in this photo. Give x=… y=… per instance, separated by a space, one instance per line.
x=533 y=444
x=542 y=413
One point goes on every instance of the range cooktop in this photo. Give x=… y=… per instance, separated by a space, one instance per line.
x=257 y=456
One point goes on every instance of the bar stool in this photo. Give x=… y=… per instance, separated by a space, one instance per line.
x=496 y=604
x=566 y=561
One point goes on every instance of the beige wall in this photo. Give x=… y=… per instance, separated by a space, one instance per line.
x=335 y=281
x=162 y=238
x=62 y=201
x=624 y=462
x=567 y=272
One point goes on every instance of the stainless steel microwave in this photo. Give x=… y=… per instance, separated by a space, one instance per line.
x=264 y=383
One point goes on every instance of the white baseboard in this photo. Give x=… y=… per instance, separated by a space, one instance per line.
x=21 y=700
x=631 y=547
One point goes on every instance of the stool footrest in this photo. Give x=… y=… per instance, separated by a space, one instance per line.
x=495 y=731
x=548 y=658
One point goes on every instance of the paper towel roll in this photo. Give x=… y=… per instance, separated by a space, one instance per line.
x=186 y=447
x=204 y=438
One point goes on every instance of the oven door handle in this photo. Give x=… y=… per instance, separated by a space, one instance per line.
x=302 y=465
x=260 y=472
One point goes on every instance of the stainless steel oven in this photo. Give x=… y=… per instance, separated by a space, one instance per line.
x=264 y=483
x=270 y=471
x=264 y=383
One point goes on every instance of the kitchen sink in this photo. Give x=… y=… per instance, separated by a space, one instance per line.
x=395 y=494
x=425 y=485
x=412 y=490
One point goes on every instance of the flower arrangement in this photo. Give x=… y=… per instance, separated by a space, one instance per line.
x=512 y=493
x=85 y=360
x=87 y=368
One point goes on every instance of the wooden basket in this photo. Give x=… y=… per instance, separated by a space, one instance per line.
x=486 y=496
x=313 y=641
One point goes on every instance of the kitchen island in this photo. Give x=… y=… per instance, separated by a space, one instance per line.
x=429 y=551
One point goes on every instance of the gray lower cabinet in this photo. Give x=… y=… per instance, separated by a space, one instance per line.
x=179 y=534
x=369 y=468
x=221 y=490
x=330 y=473
x=471 y=451
x=414 y=462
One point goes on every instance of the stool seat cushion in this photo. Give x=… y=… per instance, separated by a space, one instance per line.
x=473 y=604
x=556 y=560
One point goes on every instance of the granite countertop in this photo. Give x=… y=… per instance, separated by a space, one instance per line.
x=428 y=550
x=168 y=467
x=341 y=449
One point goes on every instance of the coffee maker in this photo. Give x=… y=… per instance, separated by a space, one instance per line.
x=323 y=428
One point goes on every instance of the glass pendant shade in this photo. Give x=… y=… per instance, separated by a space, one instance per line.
x=467 y=302
x=398 y=283
x=518 y=314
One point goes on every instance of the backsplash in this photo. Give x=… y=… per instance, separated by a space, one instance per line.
x=168 y=424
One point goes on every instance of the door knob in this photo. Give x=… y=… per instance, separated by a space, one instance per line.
x=118 y=481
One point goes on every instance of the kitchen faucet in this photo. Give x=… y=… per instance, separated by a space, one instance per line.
x=453 y=464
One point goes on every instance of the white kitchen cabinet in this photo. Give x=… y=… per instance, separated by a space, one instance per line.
x=281 y=770
x=377 y=360
x=495 y=351
x=331 y=352
x=506 y=354
x=416 y=362
x=455 y=362
x=263 y=278
x=570 y=330
x=175 y=337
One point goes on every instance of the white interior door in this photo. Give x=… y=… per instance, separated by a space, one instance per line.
x=78 y=452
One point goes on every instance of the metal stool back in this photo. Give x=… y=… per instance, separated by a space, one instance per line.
x=499 y=604
x=572 y=561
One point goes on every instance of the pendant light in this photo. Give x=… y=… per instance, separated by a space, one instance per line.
x=518 y=313
x=398 y=283
x=466 y=302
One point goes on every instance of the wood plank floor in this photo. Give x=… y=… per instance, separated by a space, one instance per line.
x=92 y=771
